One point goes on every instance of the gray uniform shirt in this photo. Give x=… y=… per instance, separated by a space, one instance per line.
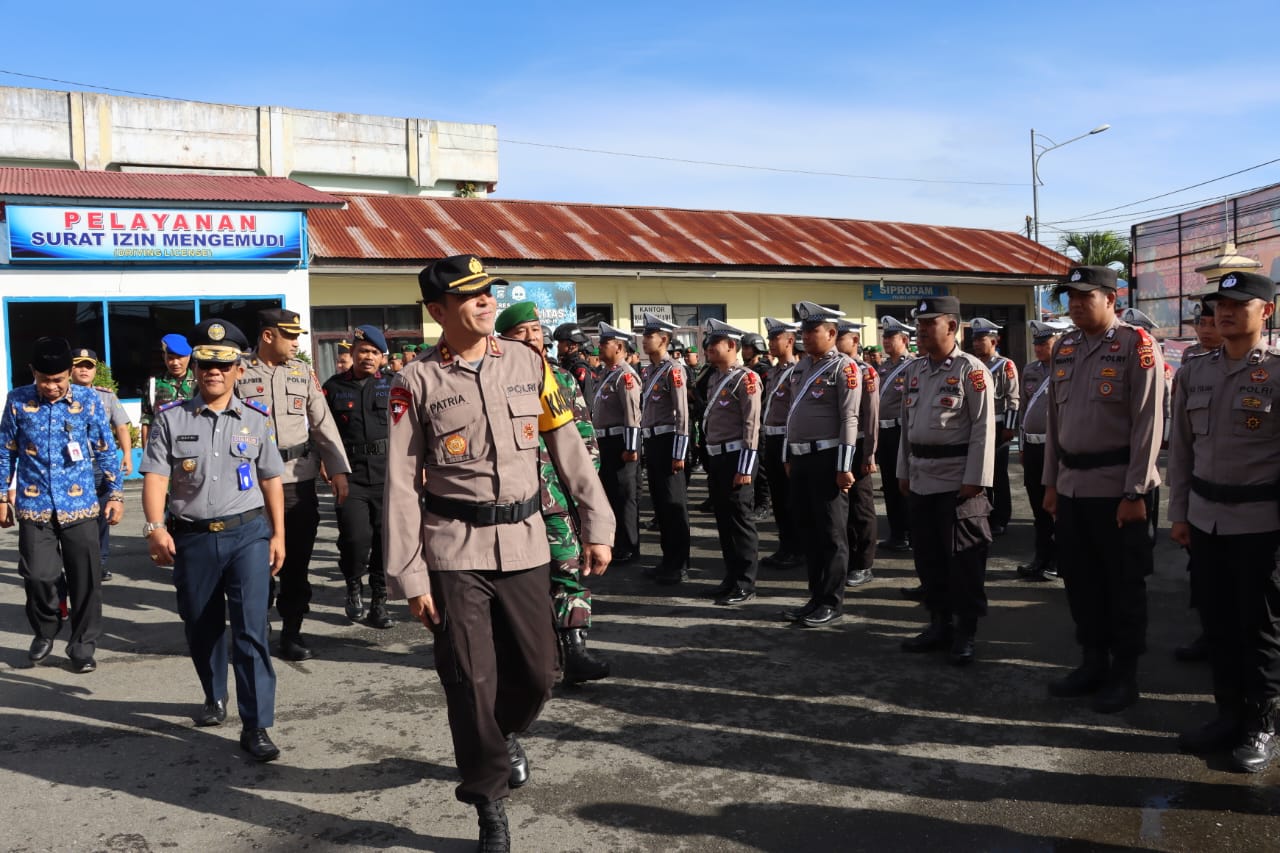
x=733 y=413
x=664 y=403
x=893 y=385
x=116 y=415
x=617 y=406
x=869 y=412
x=826 y=395
x=201 y=452
x=1004 y=379
x=777 y=401
x=1226 y=424
x=1035 y=413
x=948 y=403
x=299 y=413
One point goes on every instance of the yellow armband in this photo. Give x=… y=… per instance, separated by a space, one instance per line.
x=557 y=408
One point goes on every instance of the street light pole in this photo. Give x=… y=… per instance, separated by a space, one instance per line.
x=1038 y=151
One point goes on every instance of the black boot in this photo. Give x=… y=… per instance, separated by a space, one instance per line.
x=579 y=664
x=962 y=642
x=1121 y=687
x=355 y=601
x=1084 y=679
x=1260 y=745
x=292 y=646
x=936 y=636
x=378 y=616
x=494 y=835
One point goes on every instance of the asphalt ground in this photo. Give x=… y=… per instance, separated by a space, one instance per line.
x=721 y=729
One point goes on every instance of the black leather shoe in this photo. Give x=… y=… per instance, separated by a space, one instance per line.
x=354 y=604
x=519 y=763
x=580 y=664
x=895 y=545
x=666 y=578
x=795 y=614
x=1221 y=732
x=258 y=745
x=378 y=616
x=292 y=647
x=495 y=837
x=1026 y=570
x=719 y=590
x=623 y=558
x=212 y=714
x=937 y=636
x=1037 y=576
x=913 y=593
x=858 y=578
x=81 y=666
x=782 y=560
x=823 y=614
x=1196 y=651
x=962 y=649
x=1120 y=689
x=1256 y=753
x=40 y=648
x=1085 y=679
x=737 y=595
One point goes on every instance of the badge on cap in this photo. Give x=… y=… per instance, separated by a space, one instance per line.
x=1229 y=281
x=475 y=266
x=216 y=332
x=924 y=306
x=1076 y=276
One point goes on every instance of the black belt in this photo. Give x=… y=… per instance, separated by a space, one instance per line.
x=373 y=448
x=484 y=515
x=1226 y=494
x=296 y=452
x=939 y=451
x=213 y=525
x=1087 y=461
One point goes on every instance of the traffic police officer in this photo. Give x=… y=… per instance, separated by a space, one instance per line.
x=862 y=525
x=773 y=430
x=822 y=439
x=275 y=377
x=1004 y=377
x=1034 y=426
x=358 y=400
x=755 y=355
x=1105 y=422
x=946 y=458
x=210 y=468
x=175 y=382
x=664 y=426
x=84 y=369
x=615 y=413
x=732 y=429
x=465 y=539
x=894 y=336
x=1223 y=475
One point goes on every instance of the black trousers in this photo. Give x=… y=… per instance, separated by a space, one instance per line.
x=763 y=494
x=621 y=481
x=821 y=512
x=45 y=552
x=1032 y=472
x=670 y=502
x=360 y=537
x=895 y=504
x=951 y=553
x=495 y=653
x=1240 y=603
x=733 y=506
x=861 y=527
x=1001 y=498
x=1105 y=569
x=780 y=487
x=301 y=521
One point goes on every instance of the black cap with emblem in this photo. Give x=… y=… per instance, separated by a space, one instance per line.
x=1243 y=286
x=936 y=306
x=83 y=355
x=218 y=341
x=289 y=322
x=1089 y=278
x=462 y=275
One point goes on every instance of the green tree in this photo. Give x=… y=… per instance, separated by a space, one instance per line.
x=1096 y=248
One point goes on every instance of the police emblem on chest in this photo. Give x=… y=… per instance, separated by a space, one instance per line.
x=455 y=445
x=526 y=430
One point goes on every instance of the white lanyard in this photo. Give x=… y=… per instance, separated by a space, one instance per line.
x=716 y=394
x=889 y=379
x=614 y=374
x=663 y=370
x=805 y=389
x=786 y=374
x=1036 y=396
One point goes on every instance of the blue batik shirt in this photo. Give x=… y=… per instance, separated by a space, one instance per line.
x=35 y=439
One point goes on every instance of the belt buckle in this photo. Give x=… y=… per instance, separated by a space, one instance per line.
x=217 y=526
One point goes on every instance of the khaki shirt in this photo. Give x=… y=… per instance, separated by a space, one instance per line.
x=616 y=409
x=869 y=412
x=664 y=403
x=1004 y=379
x=1226 y=425
x=893 y=386
x=948 y=403
x=733 y=414
x=1035 y=413
x=471 y=435
x=291 y=393
x=1105 y=394
x=826 y=395
x=777 y=399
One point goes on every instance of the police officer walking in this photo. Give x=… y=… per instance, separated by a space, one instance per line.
x=54 y=437
x=822 y=438
x=1034 y=427
x=894 y=335
x=175 y=382
x=465 y=541
x=615 y=414
x=773 y=431
x=275 y=377
x=1004 y=378
x=732 y=429
x=84 y=369
x=209 y=470
x=359 y=399
x=1223 y=471
x=862 y=525
x=664 y=426
x=1105 y=421
x=945 y=463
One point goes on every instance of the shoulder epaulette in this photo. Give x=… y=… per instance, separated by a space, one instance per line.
x=258 y=406
x=1204 y=352
x=102 y=388
x=169 y=405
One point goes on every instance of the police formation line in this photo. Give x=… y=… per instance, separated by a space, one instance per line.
x=493 y=503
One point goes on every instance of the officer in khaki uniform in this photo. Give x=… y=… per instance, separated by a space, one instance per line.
x=1034 y=426
x=862 y=526
x=615 y=415
x=773 y=429
x=822 y=440
x=465 y=541
x=894 y=335
x=664 y=426
x=306 y=434
x=985 y=337
x=946 y=461
x=1224 y=502
x=1106 y=402
x=732 y=429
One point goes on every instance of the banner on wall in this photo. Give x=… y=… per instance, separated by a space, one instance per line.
x=890 y=292
x=152 y=235
x=557 y=301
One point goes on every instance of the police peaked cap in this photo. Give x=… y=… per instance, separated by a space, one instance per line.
x=463 y=275
x=83 y=354
x=774 y=327
x=1042 y=331
x=845 y=327
x=289 y=322
x=983 y=326
x=370 y=335
x=612 y=333
x=893 y=326
x=1089 y=278
x=1134 y=317
x=812 y=314
x=714 y=329
x=653 y=323
x=218 y=340
x=1243 y=286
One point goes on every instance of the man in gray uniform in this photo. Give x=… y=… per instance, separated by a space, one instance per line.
x=894 y=336
x=1223 y=475
x=1106 y=402
x=1004 y=379
x=286 y=385
x=822 y=440
x=616 y=418
x=84 y=369
x=664 y=425
x=773 y=429
x=211 y=466
x=732 y=429
x=862 y=525
x=1035 y=424
x=946 y=461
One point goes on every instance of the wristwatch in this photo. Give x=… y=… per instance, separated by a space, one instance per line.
x=151 y=527
x=1133 y=496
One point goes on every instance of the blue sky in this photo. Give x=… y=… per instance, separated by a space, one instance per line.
x=940 y=91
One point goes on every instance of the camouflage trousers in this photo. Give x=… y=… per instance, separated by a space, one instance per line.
x=572 y=600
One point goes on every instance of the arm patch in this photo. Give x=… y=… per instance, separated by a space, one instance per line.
x=977 y=380
x=557 y=410
x=1009 y=370
x=851 y=375
x=253 y=404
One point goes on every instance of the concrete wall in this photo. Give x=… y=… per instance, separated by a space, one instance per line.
x=331 y=151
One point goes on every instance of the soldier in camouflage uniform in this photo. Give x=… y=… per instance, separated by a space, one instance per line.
x=572 y=600
x=176 y=383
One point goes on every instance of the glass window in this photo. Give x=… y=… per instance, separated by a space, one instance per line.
x=591 y=316
x=78 y=322
x=242 y=312
x=136 y=329
x=402 y=324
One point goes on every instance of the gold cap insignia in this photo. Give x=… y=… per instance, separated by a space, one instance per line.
x=217 y=332
x=475 y=266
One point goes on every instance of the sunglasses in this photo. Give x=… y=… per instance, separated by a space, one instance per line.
x=215 y=365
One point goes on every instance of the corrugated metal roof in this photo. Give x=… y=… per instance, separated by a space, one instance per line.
x=153 y=186
x=412 y=228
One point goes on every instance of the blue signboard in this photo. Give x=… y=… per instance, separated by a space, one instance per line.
x=889 y=292
x=106 y=234
x=557 y=301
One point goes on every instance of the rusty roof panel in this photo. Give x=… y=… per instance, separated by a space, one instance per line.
x=412 y=228
x=18 y=183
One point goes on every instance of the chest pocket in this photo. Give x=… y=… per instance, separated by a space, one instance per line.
x=242 y=449
x=524 y=419
x=188 y=467
x=1251 y=417
x=945 y=411
x=1109 y=389
x=295 y=402
x=453 y=432
x=1198 y=411
x=378 y=406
